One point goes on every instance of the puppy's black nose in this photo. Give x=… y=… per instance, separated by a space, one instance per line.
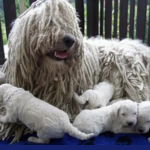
x=130 y=123
x=141 y=130
x=68 y=40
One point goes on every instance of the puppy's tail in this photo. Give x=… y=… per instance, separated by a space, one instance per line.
x=73 y=131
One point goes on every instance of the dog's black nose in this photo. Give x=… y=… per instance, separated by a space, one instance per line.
x=68 y=40
x=141 y=130
x=130 y=123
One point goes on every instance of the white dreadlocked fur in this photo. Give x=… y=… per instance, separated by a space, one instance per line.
x=39 y=30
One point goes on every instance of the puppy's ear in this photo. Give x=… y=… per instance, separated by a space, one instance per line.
x=86 y=104
x=118 y=110
x=1 y=98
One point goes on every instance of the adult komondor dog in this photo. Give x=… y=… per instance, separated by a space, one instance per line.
x=49 y=57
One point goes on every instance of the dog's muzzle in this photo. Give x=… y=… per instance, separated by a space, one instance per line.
x=68 y=40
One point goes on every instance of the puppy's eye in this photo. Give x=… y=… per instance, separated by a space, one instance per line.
x=123 y=114
x=148 y=121
x=134 y=113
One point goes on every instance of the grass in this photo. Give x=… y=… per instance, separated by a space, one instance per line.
x=4 y=33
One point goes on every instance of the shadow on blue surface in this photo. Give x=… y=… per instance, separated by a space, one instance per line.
x=103 y=139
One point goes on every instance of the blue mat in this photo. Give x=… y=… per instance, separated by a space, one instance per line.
x=103 y=139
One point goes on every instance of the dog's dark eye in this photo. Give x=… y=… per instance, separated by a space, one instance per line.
x=134 y=113
x=123 y=114
x=148 y=121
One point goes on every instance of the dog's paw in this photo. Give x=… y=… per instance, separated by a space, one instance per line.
x=79 y=99
x=37 y=140
x=31 y=139
x=148 y=139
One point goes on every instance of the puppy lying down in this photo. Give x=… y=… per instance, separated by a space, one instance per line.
x=143 y=123
x=118 y=118
x=47 y=120
x=98 y=97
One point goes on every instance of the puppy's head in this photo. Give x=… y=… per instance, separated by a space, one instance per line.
x=93 y=101
x=143 y=123
x=127 y=113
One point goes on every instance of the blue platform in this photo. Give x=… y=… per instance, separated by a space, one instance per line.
x=103 y=139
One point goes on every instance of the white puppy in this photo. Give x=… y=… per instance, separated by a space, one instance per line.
x=117 y=118
x=117 y=100
x=47 y=120
x=143 y=124
x=96 y=98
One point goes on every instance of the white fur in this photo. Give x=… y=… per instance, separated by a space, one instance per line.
x=47 y=120
x=40 y=31
x=117 y=100
x=143 y=123
x=144 y=117
x=97 y=97
x=113 y=118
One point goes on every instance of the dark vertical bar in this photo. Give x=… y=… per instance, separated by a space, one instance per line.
x=10 y=13
x=31 y=1
x=123 y=18
x=80 y=11
x=149 y=28
x=2 y=56
x=141 y=19
x=108 y=18
x=92 y=17
x=132 y=15
x=115 y=17
x=101 y=16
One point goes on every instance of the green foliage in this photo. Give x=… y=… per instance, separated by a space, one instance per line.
x=147 y=25
x=26 y=2
x=4 y=34
x=1 y=5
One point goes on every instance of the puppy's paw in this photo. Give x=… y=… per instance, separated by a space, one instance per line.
x=37 y=140
x=148 y=139
x=79 y=99
x=32 y=139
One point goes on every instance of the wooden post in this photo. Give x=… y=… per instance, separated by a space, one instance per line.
x=141 y=19
x=92 y=17
x=10 y=13
x=108 y=18
x=2 y=56
x=80 y=11
x=123 y=18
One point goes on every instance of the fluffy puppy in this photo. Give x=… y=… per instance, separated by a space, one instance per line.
x=47 y=120
x=117 y=118
x=98 y=97
x=143 y=123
